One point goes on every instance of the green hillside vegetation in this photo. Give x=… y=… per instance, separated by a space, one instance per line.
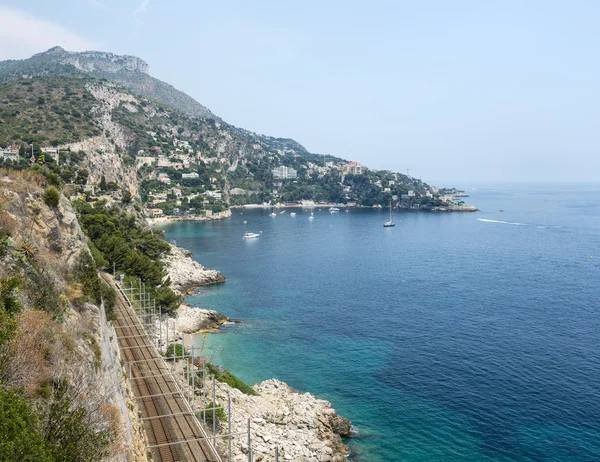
x=134 y=249
x=58 y=62
x=48 y=111
x=59 y=110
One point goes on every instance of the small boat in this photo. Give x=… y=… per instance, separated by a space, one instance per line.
x=389 y=224
x=293 y=214
x=347 y=211
x=249 y=235
x=273 y=214
x=334 y=210
x=500 y=210
x=245 y=222
x=282 y=212
x=311 y=218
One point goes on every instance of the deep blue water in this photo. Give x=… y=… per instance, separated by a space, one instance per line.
x=444 y=338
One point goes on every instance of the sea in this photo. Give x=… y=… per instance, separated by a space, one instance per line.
x=449 y=337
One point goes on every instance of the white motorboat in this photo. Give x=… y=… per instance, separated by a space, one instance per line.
x=311 y=218
x=249 y=235
x=293 y=214
x=334 y=210
x=273 y=214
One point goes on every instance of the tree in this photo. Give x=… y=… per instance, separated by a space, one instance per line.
x=19 y=436
x=168 y=299
x=103 y=185
x=126 y=196
x=82 y=176
x=67 y=430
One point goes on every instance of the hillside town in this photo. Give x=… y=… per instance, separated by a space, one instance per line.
x=178 y=180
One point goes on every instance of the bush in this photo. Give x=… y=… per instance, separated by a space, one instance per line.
x=231 y=380
x=20 y=438
x=68 y=431
x=86 y=273
x=211 y=411
x=97 y=256
x=51 y=196
x=175 y=347
x=109 y=297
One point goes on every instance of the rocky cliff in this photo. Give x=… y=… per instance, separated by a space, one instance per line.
x=62 y=334
x=129 y=71
x=186 y=274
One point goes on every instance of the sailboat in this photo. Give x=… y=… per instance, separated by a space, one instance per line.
x=389 y=224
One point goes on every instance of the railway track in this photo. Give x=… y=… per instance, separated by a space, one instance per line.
x=173 y=433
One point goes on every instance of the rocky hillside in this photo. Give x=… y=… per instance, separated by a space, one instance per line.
x=62 y=390
x=129 y=71
x=147 y=138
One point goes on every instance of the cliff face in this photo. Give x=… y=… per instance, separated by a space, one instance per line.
x=129 y=71
x=61 y=335
x=186 y=274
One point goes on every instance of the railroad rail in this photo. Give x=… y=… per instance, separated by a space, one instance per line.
x=173 y=433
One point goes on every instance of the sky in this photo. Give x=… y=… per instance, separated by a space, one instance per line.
x=461 y=91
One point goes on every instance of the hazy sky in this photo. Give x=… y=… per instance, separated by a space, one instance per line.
x=454 y=90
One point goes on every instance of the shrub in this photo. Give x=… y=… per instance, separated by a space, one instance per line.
x=211 y=411
x=68 y=431
x=19 y=430
x=51 y=196
x=109 y=297
x=230 y=379
x=53 y=179
x=86 y=273
x=177 y=348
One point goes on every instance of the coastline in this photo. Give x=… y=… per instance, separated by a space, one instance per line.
x=302 y=426
x=445 y=208
x=156 y=222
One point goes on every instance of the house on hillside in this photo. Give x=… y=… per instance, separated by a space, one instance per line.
x=163 y=178
x=9 y=154
x=353 y=168
x=144 y=160
x=190 y=176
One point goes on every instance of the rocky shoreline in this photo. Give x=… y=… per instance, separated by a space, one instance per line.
x=186 y=274
x=172 y=219
x=303 y=427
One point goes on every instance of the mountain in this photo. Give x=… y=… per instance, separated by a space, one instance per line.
x=129 y=71
x=123 y=127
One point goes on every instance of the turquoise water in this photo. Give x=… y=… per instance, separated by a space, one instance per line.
x=450 y=337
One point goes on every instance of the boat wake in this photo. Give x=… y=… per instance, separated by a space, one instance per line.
x=502 y=222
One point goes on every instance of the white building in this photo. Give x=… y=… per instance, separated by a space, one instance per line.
x=9 y=154
x=214 y=194
x=163 y=178
x=284 y=173
x=191 y=176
